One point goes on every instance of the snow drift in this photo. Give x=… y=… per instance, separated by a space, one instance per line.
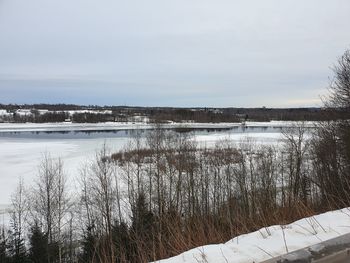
x=272 y=241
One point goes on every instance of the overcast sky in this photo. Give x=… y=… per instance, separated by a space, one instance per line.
x=219 y=53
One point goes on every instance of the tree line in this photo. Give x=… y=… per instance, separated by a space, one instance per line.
x=94 y=114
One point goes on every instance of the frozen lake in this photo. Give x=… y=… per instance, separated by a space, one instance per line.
x=22 y=145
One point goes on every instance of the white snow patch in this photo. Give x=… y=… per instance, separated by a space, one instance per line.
x=4 y=113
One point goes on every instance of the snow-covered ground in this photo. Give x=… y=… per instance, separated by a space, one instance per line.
x=4 y=113
x=272 y=241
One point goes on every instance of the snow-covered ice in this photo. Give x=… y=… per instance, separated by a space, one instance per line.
x=20 y=154
x=21 y=158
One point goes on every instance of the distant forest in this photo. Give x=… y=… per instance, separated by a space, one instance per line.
x=41 y=113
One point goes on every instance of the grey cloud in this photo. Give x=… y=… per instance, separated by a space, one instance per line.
x=178 y=53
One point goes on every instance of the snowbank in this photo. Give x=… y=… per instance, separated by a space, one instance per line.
x=272 y=241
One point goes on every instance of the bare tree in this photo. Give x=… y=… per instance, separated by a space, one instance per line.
x=331 y=143
x=63 y=204
x=296 y=146
x=18 y=217
x=340 y=86
x=100 y=197
x=51 y=202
